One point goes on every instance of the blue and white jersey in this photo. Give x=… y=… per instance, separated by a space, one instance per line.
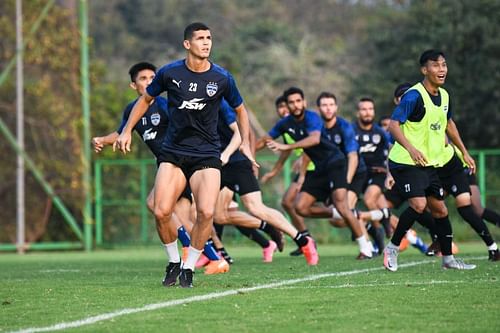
x=373 y=145
x=412 y=107
x=153 y=125
x=342 y=135
x=194 y=101
x=323 y=154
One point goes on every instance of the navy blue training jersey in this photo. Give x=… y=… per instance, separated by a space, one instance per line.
x=373 y=145
x=227 y=116
x=342 y=135
x=194 y=101
x=153 y=125
x=322 y=154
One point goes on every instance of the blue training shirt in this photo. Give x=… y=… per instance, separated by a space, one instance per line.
x=342 y=135
x=323 y=154
x=194 y=101
x=373 y=145
x=153 y=125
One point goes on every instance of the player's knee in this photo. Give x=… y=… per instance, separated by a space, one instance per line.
x=221 y=218
x=205 y=213
x=162 y=214
x=287 y=204
x=301 y=209
x=419 y=207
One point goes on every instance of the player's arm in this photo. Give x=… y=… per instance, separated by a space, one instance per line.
x=233 y=145
x=100 y=141
x=244 y=128
x=124 y=141
x=454 y=136
x=304 y=163
x=352 y=165
x=311 y=140
x=278 y=166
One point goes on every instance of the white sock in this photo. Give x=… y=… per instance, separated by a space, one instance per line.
x=493 y=247
x=193 y=256
x=411 y=237
x=448 y=258
x=392 y=246
x=172 y=251
x=376 y=215
x=336 y=215
x=364 y=246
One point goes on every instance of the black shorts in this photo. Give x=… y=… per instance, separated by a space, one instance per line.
x=453 y=177
x=187 y=191
x=358 y=182
x=412 y=181
x=190 y=164
x=375 y=178
x=471 y=177
x=321 y=183
x=394 y=197
x=239 y=177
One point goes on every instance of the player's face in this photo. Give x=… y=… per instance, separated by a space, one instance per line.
x=296 y=105
x=200 y=44
x=385 y=124
x=366 y=112
x=143 y=80
x=282 y=110
x=436 y=71
x=328 y=108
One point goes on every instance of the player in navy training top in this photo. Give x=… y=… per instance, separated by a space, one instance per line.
x=191 y=152
x=328 y=180
x=374 y=145
x=237 y=174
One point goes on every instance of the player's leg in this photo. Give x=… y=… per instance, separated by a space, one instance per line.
x=169 y=184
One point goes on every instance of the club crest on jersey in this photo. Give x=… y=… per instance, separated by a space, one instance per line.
x=155 y=119
x=211 y=89
x=376 y=138
x=338 y=139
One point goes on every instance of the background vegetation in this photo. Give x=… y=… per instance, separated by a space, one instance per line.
x=352 y=48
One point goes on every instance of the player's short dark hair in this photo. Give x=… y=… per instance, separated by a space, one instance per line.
x=401 y=89
x=279 y=100
x=325 y=94
x=366 y=99
x=430 y=55
x=291 y=91
x=382 y=119
x=191 y=28
x=135 y=69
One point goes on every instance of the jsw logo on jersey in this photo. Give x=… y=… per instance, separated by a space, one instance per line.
x=148 y=135
x=368 y=148
x=193 y=104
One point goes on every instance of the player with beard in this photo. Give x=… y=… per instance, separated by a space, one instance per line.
x=329 y=178
x=373 y=147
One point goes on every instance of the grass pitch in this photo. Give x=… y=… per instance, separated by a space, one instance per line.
x=85 y=292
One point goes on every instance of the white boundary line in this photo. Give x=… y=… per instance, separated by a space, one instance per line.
x=199 y=298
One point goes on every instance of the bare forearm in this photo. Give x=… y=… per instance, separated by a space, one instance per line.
x=454 y=136
x=352 y=164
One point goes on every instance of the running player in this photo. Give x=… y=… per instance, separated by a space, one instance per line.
x=152 y=130
x=418 y=125
x=238 y=176
x=191 y=150
x=329 y=179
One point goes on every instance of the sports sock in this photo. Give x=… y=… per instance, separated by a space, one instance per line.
x=183 y=236
x=254 y=235
x=219 y=230
x=209 y=251
x=411 y=237
x=376 y=215
x=426 y=220
x=193 y=256
x=172 y=252
x=491 y=216
x=300 y=240
x=406 y=221
x=364 y=246
x=493 y=247
x=335 y=214
x=468 y=214
x=445 y=234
